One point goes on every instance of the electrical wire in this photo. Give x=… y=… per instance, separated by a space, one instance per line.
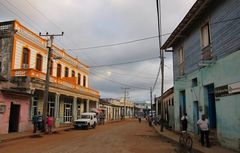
x=117 y=44
x=116 y=82
x=123 y=63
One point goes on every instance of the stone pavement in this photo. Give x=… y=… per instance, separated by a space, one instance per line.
x=196 y=144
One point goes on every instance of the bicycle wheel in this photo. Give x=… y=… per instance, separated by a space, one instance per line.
x=189 y=143
x=181 y=140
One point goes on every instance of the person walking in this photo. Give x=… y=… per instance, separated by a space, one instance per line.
x=49 y=124
x=35 y=123
x=204 y=129
x=184 y=122
x=139 y=119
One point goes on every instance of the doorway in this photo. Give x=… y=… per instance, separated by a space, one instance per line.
x=195 y=116
x=14 y=118
x=182 y=103
x=211 y=106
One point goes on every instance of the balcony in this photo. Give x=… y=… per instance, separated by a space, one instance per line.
x=207 y=53
x=181 y=69
x=65 y=81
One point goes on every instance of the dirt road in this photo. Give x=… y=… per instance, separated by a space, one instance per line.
x=121 y=137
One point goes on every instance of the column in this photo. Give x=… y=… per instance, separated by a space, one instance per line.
x=74 y=108
x=87 y=103
x=97 y=104
x=56 y=109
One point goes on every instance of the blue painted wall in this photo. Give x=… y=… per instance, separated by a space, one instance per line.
x=224 y=18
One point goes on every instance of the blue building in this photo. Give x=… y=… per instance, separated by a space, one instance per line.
x=206 y=62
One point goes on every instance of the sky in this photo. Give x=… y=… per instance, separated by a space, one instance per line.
x=88 y=24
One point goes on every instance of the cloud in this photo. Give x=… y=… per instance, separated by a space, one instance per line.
x=89 y=23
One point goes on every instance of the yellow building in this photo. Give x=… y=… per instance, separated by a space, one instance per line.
x=23 y=61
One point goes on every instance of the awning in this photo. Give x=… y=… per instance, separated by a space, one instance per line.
x=96 y=110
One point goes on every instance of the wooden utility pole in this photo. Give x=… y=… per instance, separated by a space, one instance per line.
x=158 y=3
x=45 y=97
x=125 y=95
x=151 y=101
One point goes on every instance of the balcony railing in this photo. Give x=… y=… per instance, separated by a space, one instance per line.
x=207 y=53
x=65 y=81
x=181 y=69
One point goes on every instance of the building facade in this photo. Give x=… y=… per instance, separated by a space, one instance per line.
x=14 y=109
x=168 y=108
x=206 y=52
x=24 y=62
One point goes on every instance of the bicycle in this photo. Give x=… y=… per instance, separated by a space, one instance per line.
x=185 y=140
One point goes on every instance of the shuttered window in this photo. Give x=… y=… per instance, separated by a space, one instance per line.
x=205 y=35
x=39 y=62
x=59 y=70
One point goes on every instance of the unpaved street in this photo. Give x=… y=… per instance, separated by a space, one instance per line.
x=122 y=137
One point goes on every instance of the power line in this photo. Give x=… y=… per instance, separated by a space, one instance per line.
x=119 y=83
x=117 y=44
x=136 y=61
x=17 y=15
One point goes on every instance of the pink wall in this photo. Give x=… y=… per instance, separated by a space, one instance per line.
x=24 y=102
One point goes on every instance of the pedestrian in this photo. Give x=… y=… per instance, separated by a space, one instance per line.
x=150 y=120
x=139 y=119
x=49 y=124
x=184 y=122
x=204 y=129
x=39 y=122
x=35 y=123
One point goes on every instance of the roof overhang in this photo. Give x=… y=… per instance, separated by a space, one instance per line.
x=196 y=10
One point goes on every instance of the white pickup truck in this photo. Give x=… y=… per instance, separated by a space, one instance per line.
x=87 y=120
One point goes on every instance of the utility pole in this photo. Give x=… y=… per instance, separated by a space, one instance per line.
x=158 y=3
x=45 y=97
x=125 y=95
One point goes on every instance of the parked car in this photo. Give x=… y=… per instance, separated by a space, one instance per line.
x=86 y=120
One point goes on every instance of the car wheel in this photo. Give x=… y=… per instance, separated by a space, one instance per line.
x=94 y=125
x=88 y=126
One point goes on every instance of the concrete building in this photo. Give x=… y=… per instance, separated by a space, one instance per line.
x=206 y=53
x=23 y=62
x=168 y=108
x=14 y=108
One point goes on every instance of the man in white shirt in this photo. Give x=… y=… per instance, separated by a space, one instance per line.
x=203 y=125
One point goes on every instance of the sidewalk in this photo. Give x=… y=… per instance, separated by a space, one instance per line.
x=196 y=145
x=22 y=135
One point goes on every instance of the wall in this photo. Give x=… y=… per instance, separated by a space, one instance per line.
x=24 y=122
x=223 y=72
x=224 y=35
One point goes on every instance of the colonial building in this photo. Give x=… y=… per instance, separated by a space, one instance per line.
x=206 y=53
x=168 y=108
x=23 y=61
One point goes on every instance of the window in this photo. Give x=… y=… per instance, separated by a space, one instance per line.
x=59 y=70
x=79 y=78
x=67 y=110
x=181 y=61
x=66 y=71
x=194 y=82
x=73 y=73
x=51 y=106
x=78 y=109
x=51 y=68
x=25 y=57
x=205 y=35
x=39 y=62
x=84 y=81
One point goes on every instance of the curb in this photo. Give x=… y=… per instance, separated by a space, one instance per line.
x=31 y=135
